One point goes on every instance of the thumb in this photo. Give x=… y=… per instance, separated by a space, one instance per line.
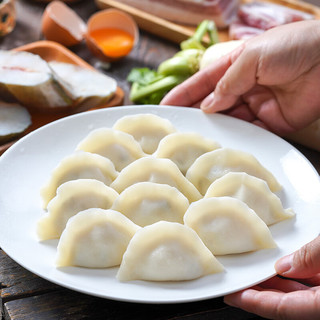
x=238 y=79
x=301 y=264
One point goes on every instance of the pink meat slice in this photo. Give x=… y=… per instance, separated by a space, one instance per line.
x=238 y=30
x=190 y=12
x=267 y=15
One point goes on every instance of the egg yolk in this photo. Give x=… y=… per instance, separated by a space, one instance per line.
x=113 y=42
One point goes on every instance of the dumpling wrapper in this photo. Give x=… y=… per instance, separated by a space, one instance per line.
x=228 y=226
x=254 y=192
x=167 y=251
x=147 y=129
x=95 y=238
x=145 y=203
x=155 y=170
x=121 y=148
x=79 y=165
x=184 y=148
x=72 y=197
x=213 y=165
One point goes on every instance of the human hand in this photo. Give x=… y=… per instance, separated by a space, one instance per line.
x=272 y=80
x=280 y=298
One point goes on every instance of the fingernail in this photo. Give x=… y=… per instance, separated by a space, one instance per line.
x=207 y=103
x=284 y=264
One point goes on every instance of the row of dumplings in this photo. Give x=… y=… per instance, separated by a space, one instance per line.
x=157 y=202
x=142 y=145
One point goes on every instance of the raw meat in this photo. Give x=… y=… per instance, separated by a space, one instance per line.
x=267 y=15
x=190 y=12
x=256 y=17
x=238 y=30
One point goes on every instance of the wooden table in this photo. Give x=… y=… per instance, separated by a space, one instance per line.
x=25 y=295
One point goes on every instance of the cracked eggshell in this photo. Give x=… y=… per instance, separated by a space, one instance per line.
x=113 y=19
x=61 y=24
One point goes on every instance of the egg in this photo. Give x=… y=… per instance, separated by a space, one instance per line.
x=111 y=34
x=61 y=24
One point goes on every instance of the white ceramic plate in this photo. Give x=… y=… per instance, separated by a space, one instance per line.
x=26 y=166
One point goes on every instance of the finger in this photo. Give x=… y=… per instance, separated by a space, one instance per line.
x=196 y=105
x=242 y=112
x=312 y=281
x=295 y=305
x=237 y=80
x=197 y=87
x=303 y=263
x=207 y=102
x=261 y=124
x=265 y=106
x=283 y=285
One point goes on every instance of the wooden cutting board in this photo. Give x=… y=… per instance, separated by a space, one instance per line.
x=176 y=32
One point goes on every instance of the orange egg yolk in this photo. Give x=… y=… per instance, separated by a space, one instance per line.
x=113 y=42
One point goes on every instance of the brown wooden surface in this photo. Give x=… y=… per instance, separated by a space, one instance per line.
x=25 y=296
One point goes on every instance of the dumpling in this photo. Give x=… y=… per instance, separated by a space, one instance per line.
x=184 y=148
x=166 y=251
x=145 y=203
x=155 y=170
x=121 y=148
x=227 y=225
x=79 y=165
x=95 y=238
x=254 y=192
x=147 y=129
x=213 y=165
x=72 y=197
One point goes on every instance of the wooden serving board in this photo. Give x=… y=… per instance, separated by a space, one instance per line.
x=176 y=32
x=49 y=50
